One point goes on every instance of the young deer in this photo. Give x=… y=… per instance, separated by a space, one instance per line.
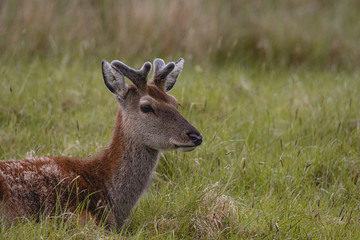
x=147 y=122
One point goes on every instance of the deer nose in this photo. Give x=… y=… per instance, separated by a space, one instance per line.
x=195 y=138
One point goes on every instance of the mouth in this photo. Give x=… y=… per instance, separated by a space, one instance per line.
x=186 y=148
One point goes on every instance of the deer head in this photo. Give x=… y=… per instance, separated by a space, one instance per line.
x=149 y=114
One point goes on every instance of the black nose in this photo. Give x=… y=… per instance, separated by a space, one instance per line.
x=196 y=138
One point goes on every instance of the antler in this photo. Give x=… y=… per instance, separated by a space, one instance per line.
x=161 y=71
x=165 y=76
x=138 y=77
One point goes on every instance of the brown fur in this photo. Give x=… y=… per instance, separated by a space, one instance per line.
x=111 y=183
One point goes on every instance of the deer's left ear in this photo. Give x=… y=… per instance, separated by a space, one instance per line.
x=171 y=78
x=114 y=80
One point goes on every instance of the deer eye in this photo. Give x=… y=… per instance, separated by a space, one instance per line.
x=147 y=109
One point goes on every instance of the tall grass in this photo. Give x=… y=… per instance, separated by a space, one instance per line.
x=289 y=33
x=280 y=157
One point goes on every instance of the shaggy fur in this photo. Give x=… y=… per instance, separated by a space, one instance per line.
x=111 y=183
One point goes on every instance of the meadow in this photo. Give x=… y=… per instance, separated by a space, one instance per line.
x=279 y=112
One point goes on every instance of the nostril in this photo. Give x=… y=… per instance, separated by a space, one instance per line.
x=195 y=138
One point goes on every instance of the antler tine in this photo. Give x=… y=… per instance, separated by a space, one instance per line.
x=158 y=64
x=138 y=77
x=161 y=71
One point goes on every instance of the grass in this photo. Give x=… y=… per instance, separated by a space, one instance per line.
x=280 y=158
x=315 y=33
x=274 y=90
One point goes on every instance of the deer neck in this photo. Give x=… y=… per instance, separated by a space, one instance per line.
x=132 y=165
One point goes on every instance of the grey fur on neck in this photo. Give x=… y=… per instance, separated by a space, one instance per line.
x=131 y=179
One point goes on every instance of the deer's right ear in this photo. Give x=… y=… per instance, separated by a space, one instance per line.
x=114 y=80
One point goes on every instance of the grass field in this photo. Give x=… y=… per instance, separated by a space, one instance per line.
x=280 y=157
x=321 y=33
x=273 y=86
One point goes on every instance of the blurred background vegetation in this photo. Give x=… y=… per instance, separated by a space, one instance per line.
x=310 y=33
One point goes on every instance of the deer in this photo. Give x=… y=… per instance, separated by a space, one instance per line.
x=111 y=183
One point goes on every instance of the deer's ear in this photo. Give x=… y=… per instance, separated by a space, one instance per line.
x=114 y=80
x=173 y=75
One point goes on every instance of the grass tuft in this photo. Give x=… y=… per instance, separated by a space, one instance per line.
x=215 y=215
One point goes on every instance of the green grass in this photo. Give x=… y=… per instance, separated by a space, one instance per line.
x=280 y=158
x=314 y=33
